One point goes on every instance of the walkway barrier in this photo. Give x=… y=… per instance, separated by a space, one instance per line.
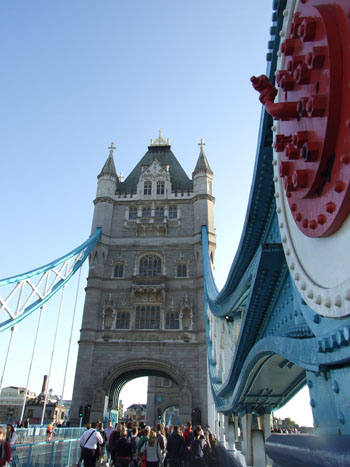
x=60 y=453
x=37 y=434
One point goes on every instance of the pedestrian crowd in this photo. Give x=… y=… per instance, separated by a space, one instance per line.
x=143 y=446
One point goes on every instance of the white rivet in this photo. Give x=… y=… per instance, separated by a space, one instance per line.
x=279 y=53
x=274 y=162
x=285 y=12
x=282 y=33
x=337 y=301
x=277 y=195
x=347 y=295
x=284 y=239
x=318 y=300
x=310 y=294
x=275 y=179
x=328 y=303
x=279 y=210
x=297 y=276
x=288 y=252
x=303 y=286
x=292 y=266
x=282 y=226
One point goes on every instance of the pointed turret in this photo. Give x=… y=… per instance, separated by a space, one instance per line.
x=202 y=162
x=202 y=177
x=106 y=189
x=109 y=167
x=107 y=178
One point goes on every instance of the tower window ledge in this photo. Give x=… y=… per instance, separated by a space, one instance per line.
x=149 y=280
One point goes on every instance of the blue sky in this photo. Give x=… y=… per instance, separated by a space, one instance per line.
x=77 y=75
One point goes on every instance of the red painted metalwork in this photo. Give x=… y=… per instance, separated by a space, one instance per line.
x=314 y=110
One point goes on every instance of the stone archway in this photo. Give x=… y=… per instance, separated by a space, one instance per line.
x=118 y=375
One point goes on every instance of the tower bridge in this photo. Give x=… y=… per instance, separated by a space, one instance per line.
x=229 y=358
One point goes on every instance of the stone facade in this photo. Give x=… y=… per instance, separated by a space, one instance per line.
x=143 y=313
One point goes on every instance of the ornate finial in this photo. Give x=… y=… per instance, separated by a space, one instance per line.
x=201 y=144
x=111 y=149
x=121 y=177
x=160 y=141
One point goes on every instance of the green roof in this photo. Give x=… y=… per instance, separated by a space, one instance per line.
x=162 y=153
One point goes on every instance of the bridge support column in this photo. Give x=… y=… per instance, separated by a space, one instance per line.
x=265 y=424
x=229 y=433
x=236 y=426
x=247 y=447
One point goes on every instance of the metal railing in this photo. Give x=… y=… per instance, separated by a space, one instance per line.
x=38 y=434
x=63 y=453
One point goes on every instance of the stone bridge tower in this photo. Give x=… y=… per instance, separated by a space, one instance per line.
x=144 y=312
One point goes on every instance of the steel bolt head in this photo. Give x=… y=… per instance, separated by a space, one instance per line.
x=316 y=58
x=292 y=152
x=283 y=168
x=309 y=151
x=302 y=74
x=321 y=219
x=300 y=138
x=307 y=29
x=313 y=224
x=316 y=106
x=300 y=178
x=339 y=186
x=287 y=47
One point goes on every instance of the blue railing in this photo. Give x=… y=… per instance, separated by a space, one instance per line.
x=63 y=453
x=38 y=434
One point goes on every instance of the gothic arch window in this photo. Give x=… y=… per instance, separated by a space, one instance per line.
x=147 y=317
x=118 y=270
x=172 y=320
x=147 y=188
x=146 y=212
x=160 y=187
x=150 y=266
x=159 y=212
x=181 y=269
x=122 y=320
x=172 y=212
x=132 y=213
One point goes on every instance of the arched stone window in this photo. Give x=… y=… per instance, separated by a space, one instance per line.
x=150 y=266
x=160 y=188
x=181 y=270
x=147 y=317
x=118 y=270
x=122 y=320
x=147 y=188
x=172 y=320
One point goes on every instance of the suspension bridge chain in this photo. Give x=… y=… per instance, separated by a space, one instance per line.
x=24 y=293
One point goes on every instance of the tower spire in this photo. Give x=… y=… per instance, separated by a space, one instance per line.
x=109 y=167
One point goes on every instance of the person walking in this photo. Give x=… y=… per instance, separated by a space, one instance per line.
x=89 y=441
x=108 y=430
x=121 y=452
x=197 y=449
x=5 y=448
x=175 y=448
x=151 y=448
x=11 y=436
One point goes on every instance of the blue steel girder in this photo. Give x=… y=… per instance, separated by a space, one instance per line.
x=29 y=291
